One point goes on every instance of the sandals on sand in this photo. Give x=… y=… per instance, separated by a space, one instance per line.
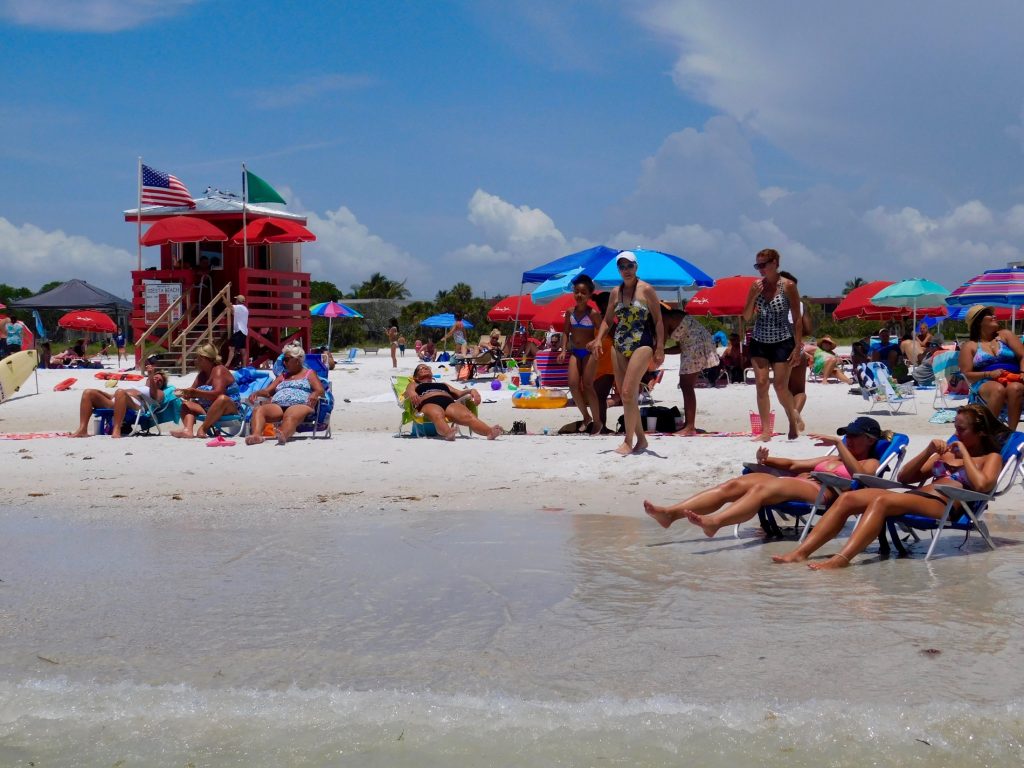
x=220 y=442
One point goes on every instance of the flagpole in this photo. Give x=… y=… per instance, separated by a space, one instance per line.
x=245 y=234
x=138 y=216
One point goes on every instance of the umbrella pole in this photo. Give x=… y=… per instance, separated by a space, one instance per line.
x=330 y=327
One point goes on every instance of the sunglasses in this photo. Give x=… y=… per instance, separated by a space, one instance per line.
x=627 y=265
x=762 y=264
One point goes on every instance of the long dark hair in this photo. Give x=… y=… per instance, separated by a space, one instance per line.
x=992 y=431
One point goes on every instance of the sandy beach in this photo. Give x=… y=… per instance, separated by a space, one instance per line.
x=370 y=600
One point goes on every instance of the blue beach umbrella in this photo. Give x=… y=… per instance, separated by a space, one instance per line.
x=551 y=289
x=662 y=270
x=444 y=320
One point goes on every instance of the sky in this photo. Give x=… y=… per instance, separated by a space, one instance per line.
x=471 y=140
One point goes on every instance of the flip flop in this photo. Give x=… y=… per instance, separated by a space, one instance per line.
x=220 y=442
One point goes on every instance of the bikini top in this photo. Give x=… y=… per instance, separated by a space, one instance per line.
x=432 y=386
x=940 y=470
x=826 y=465
x=986 y=361
x=586 y=322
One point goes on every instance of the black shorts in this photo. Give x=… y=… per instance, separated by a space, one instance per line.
x=776 y=352
x=238 y=340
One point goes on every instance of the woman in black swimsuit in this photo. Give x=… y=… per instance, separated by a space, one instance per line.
x=441 y=403
x=972 y=461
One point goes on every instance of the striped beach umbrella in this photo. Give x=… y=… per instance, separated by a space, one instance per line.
x=331 y=310
x=996 y=287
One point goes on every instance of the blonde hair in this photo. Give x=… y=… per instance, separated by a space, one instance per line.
x=209 y=352
x=293 y=350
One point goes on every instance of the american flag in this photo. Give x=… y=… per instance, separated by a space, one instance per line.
x=159 y=188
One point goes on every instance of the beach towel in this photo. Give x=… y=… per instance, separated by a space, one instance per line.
x=31 y=435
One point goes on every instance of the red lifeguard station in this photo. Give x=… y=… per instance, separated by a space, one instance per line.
x=205 y=260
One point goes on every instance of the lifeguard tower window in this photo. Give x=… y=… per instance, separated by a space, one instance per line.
x=194 y=254
x=260 y=256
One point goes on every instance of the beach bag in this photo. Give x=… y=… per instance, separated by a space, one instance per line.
x=666 y=418
x=755 y=423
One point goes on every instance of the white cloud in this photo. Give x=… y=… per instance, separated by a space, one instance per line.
x=89 y=15
x=302 y=91
x=770 y=194
x=32 y=257
x=508 y=224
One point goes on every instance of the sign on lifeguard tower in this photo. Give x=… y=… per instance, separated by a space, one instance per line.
x=159 y=296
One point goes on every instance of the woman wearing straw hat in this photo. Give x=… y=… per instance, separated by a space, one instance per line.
x=992 y=362
x=825 y=361
x=213 y=394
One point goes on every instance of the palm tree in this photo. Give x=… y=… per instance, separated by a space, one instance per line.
x=380 y=287
x=856 y=282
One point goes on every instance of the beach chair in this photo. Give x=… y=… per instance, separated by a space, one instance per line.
x=351 y=357
x=249 y=381
x=478 y=365
x=146 y=417
x=890 y=455
x=946 y=367
x=420 y=425
x=320 y=419
x=550 y=372
x=885 y=394
x=964 y=508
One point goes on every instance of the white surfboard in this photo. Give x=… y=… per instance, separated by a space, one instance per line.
x=15 y=370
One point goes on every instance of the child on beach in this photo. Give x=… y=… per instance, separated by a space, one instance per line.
x=580 y=324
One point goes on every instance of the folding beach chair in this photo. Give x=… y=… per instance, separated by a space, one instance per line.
x=550 y=372
x=964 y=507
x=249 y=381
x=890 y=455
x=886 y=394
x=946 y=367
x=147 y=416
x=420 y=425
x=351 y=356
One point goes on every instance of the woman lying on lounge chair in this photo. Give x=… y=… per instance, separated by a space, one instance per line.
x=293 y=396
x=121 y=400
x=748 y=493
x=440 y=402
x=972 y=461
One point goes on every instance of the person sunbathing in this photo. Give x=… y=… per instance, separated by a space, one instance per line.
x=441 y=402
x=293 y=396
x=972 y=461
x=825 y=362
x=213 y=394
x=121 y=400
x=748 y=493
x=992 y=361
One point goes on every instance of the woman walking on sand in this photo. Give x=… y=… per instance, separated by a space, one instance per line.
x=773 y=348
x=581 y=320
x=639 y=337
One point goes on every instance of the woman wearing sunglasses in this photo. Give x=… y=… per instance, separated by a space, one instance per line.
x=775 y=301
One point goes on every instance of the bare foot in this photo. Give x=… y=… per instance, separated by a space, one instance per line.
x=495 y=432
x=640 y=447
x=790 y=557
x=254 y=440
x=793 y=433
x=800 y=427
x=764 y=437
x=80 y=434
x=451 y=434
x=710 y=529
x=182 y=433
x=595 y=428
x=281 y=439
x=624 y=450
x=687 y=432
x=837 y=560
x=663 y=517
x=584 y=427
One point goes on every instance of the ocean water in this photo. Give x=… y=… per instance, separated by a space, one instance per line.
x=532 y=637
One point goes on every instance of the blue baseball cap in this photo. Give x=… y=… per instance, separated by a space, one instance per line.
x=862 y=425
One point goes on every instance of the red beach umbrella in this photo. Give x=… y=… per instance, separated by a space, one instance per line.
x=725 y=298
x=269 y=229
x=553 y=314
x=858 y=304
x=505 y=310
x=182 y=229
x=87 y=320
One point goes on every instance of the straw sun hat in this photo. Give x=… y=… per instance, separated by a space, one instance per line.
x=973 y=312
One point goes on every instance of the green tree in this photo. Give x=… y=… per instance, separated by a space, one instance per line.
x=856 y=282
x=380 y=287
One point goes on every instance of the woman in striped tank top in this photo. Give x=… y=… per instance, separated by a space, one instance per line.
x=775 y=301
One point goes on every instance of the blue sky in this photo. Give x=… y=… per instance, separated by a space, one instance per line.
x=447 y=141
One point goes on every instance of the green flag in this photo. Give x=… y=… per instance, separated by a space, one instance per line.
x=258 y=191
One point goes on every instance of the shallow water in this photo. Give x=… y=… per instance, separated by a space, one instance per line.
x=506 y=639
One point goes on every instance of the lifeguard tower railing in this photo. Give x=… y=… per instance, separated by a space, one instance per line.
x=278 y=305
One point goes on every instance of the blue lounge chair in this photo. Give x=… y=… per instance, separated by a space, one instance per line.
x=147 y=417
x=249 y=380
x=890 y=455
x=964 y=508
x=351 y=356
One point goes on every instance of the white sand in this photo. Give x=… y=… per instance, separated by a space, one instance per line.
x=365 y=467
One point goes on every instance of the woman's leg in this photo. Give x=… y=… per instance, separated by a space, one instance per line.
x=707 y=501
x=831 y=523
x=688 y=384
x=91 y=398
x=290 y=422
x=189 y=411
x=460 y=414
x=1014 y=399
x=394 y=356
x=221 y=406
x=634 y=368
x=832 y=368
x=883 y=506
x=122 y=402
x=764 y=404
x=590 y=393
x=268 y=412
x=576 y=388
x=798 y=386
x=994 y=395
x=603 y=388
x=771 y=490
x=780 y=375
x=435 y=413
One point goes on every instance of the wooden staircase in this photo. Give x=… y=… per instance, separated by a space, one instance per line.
x=171 y=342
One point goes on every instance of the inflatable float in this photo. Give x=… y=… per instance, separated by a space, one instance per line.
x=66 y=384
x=540 y=398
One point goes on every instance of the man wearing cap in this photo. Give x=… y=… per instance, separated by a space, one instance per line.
x=240 y=338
